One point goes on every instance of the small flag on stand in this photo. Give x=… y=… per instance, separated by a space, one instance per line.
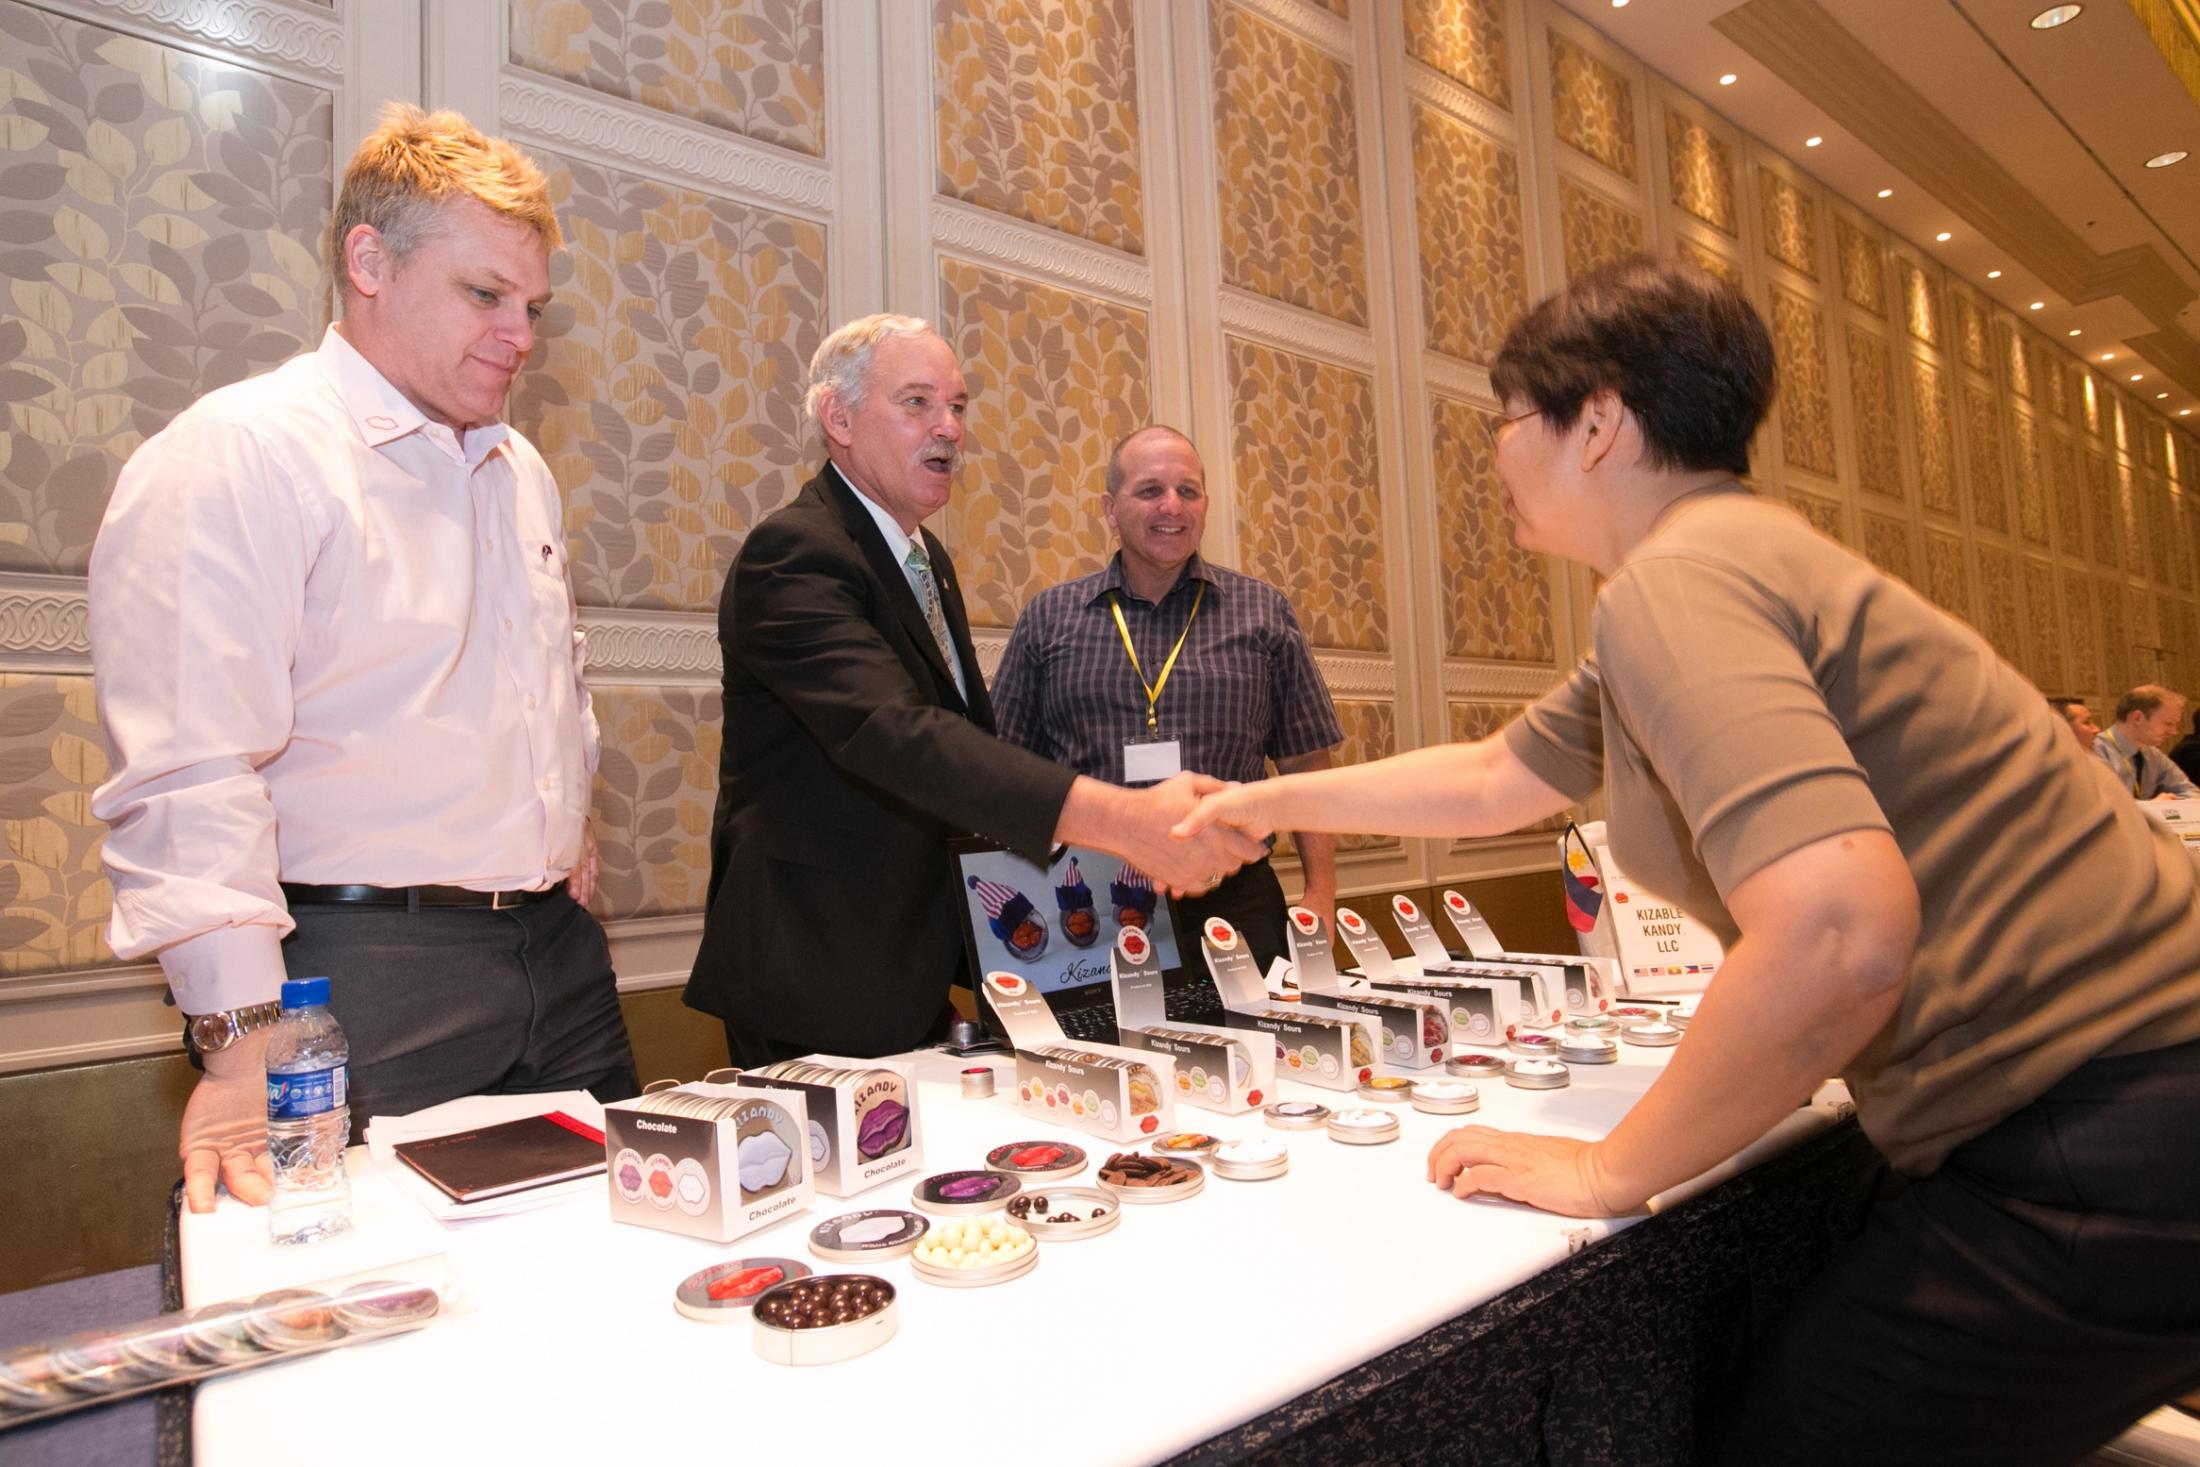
x=1578 y=874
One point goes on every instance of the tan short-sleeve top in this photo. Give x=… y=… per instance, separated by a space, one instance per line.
x=1755 y=687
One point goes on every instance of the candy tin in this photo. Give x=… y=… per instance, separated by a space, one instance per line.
x=1476 y=1066
x=216 y=1334
x=816 y=1321
x=1541 y=1046
x=1446 y=1097
x=165 y=1352
x=1037 y=1159
x=953 y=1193
x=100 y=1364
x=1588 y=1049
x=1592 y=1024
x=1386 y=1087
x=1683 y=1013
x=882 y=1232
x=719 y=1293
x=977 y=1082
x=1635 y=1013
x=1134 y=1178
x=1296 y=1115
x=28 y=1380
x=386 y=1304
x=1187 y=1143
x=1538 y=1074
x=293 y=1319
x=970 y=1253
x=1061 y=1213
x=1256 y=1159
x=1655 y=1033
x=1357 y=1125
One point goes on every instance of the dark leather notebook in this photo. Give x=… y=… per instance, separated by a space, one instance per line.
x=512 y=1156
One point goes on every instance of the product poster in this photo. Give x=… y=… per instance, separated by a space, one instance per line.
x=1054 y=927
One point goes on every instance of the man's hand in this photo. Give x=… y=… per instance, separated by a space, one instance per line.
x=1550 y=1172
x=1134 y=824
x=580 y=882
x=225 y=1127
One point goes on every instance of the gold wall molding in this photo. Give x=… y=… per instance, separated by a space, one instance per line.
x=1034 y=249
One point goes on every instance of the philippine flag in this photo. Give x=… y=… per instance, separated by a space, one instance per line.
x=1579 y=877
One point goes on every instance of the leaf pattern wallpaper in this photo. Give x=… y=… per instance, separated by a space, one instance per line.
x=2043 y=623
x=1593 y=230
x=1475 y=720
x=2081 y=637
x=1497 y=597
x=1370 y=733
x=1863 y=267
x=1592 y=106
x=2062 y=461
x=666 y=385
x=655 y=790
x=1871 y=415
x=1287 y=156
x=2128 y=516
x=54 y=898
x=2117 y=661
x=1055 y=379
x=1726 y=269
x=1805 y=403
x=1465 y=40
x=1702 y=169
x=159 y=220
x=1970 y=330
x=1947 y=574
x=2108 y=535
x=1825 y=515
x=1936 y=471
x=2017 y=362
x=2031 y=492
x=1309 y=506
x=1997 y=595
x=1790 y=220
x=1474 y=271
x=1887 y=545
x=1982 y=444
x=753 y=67
x=1920 y=304
x=1039 y=118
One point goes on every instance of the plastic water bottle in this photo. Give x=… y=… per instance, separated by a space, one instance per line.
x=308 y=1117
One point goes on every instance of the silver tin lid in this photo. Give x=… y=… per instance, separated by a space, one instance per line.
x=1037 y=1159
x=1296 y=1115
x=874 y=1233
x=1655 y=1033
x=1538 y=1074
x=951 y=1194
x=1446 y=1097
x=725 y=1291
x=815 y=1321
x=1357 y=1125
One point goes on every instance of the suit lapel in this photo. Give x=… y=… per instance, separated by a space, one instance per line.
x=856 y=520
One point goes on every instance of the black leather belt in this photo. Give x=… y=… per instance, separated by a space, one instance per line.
x=413 y=898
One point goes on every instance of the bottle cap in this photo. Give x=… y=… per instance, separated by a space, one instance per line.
x=301 y=993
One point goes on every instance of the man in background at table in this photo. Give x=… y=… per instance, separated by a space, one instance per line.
x=339 y=670
x=858 y=736
x=1161 y=662
x=2073 y=712
x=2131 y=747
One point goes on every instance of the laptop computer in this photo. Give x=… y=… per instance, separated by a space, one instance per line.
x=1054 y=927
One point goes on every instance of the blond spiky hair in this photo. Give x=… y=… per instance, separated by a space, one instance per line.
x=413 y=163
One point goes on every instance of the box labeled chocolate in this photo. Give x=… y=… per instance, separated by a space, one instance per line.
x=1329 y=1049
x=712 y=1161
x=1106 y=1090
x=862 y=1126
x=1416 y=1033
x=1215 y=1070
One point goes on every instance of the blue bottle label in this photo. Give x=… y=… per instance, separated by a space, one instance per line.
x=305 y=1094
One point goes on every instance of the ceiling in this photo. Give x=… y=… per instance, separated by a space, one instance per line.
x=2028 y=147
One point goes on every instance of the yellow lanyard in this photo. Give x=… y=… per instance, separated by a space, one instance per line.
x=1153 y=689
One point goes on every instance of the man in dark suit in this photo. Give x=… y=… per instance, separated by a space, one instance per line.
x=858 y=736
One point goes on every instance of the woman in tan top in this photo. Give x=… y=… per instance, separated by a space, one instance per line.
x=1922 y=885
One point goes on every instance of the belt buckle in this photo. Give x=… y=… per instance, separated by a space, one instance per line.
x=497 y=902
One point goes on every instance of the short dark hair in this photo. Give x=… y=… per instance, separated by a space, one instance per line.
x=1115 y=454
x=2062 y=706
x=2145 y=698
x=1686 y=352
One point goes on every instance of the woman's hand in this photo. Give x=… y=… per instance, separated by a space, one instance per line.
x=1550 y=1172
x=1237 y=806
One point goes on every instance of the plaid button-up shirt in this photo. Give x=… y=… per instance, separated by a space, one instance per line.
x=1245 y=689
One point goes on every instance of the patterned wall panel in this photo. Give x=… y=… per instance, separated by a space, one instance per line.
x=1997 y=603
x=1790 y=223
x=2069 y=493
x=1970 y=330
x=1497 y=597
x=2162 y=551
x=2179 y=546
x=2100 y=503
x=2016 y=361
x=1592 y=229
x=1287 y=163
x=1309 y=502
x=1592 y=106
x=2117 y=662
x=1370 y=733
x=1863 y=267
x=2088 y=403
x=2057 y=378
x=1887 y=545
x=54 y=898
x=1806 y=405
x=2130 y=513
x=1038 y=113
x=159 y=226
x=1472 y=720
x=2081 y=637
x=1055 y=378
x=2043 y=621
x=1982 y=447
x=1826 y=516
x=1474 y=270
x=2024 y=451
x=1709 y=259
x=753 y=67
x=1920 y=304
x=655 y=791
x=1702 y=169
x=1936 y=471
x=666 y=388
x=1872 y=415
x=1947 y=574
x=1465 y=40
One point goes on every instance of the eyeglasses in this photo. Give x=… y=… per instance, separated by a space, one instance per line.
x=1496 y=426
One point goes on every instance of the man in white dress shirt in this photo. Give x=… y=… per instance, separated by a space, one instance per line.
x=339 y=669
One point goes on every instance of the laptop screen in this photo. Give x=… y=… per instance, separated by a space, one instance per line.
x=1054 y=925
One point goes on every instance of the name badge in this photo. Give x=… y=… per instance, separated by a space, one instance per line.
x=1146 y=761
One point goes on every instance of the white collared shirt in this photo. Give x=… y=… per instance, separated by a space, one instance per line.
x=334 y=643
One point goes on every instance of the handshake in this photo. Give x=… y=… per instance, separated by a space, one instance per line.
x=1187 y=833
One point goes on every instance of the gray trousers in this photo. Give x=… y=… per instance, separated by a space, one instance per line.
x=448 y=1002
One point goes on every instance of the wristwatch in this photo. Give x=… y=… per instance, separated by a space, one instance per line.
x=205 y=1034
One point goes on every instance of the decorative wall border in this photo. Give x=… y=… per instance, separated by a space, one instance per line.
x=1299 y=330
x=308 y=40
x=44 y=624
x=1063 y=259
x=1424 y=83
x=1460 y=381
x=1498 y=682
x=1358 y=674
x=561 y=116
x=652 y=648
x=1330 y=32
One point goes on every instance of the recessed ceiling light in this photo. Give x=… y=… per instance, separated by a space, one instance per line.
x=1728 y=80
x=1814 y=141
x=2055 y=15
x=2108 y=356
x=2039 y=305
x=1993 y=275
x=1619 y=4
x=2137 y=375
x=2184 y=412
x=2074 y=330
x=1944 y=236
x=2160 y=395
x=2163 y=160
x=1886 y=193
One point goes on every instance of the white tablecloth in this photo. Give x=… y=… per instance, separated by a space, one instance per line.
x=1189 y=1318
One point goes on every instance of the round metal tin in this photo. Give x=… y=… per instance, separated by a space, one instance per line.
x=977 y=1082
x=1188 y=1186
x=167 y=1352
x=93 y=1367
x=1255 y=1159
x=216 y=1334
x=1635 y=1013
x=725 y=1291
x=823 y=1344
x=1684 y=1013
x=880 y=1232
x=1358 y=1126
x=1592 y=1024
x=29 y=1381
x=1476 y=1066
x=1062 y=1213
x=1538 y=1074
x=953 y=1194
x=292 y=1319
x=1446 y=1097
x=1656 y=1033
x=386 y=1304
x=1386 y=1087
x=1037 y=1159
x=1296 y=1115
x=1588 y=1049
x=975 y=1278
x=1186 y=1143
x=1540 y=1046
x=962 y=1274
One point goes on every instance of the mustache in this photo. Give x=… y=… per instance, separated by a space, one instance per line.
x=941 y=453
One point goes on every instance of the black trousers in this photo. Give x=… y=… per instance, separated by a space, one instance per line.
x=2023 y=1304
x=746 y=1049
x=1249 y=899
x=465 y=1001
